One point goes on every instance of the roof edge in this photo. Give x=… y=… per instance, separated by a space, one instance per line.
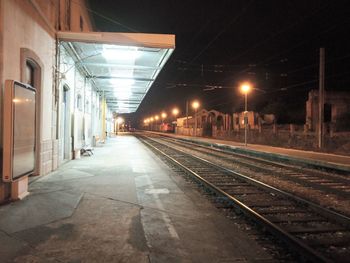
x=129 y=39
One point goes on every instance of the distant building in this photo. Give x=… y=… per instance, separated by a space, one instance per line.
x=335 y=104
x=254 y=120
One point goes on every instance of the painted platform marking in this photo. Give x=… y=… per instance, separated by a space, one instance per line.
x=155 y=192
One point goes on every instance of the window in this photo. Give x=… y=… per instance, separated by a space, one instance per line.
x=29 y=73
x=68 y=14
x=81 y=24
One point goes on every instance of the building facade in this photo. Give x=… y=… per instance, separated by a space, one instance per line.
x=82 y=79
x=30 y=53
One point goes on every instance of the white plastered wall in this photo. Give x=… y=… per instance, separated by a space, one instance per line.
x=85 y=120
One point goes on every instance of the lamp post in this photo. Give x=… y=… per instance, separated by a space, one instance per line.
x=175 y=112
x=195 y=105
x=245 y=88
x=151 y=119
x=163 y=115
x=156 y=118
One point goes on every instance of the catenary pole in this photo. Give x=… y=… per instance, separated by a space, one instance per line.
x=321 y=98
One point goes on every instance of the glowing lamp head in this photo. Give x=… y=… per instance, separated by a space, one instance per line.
x=195 y=104
x=156 y=117
x=163 y=115
x=151 y=119
x=175 y=111
x=245 y=88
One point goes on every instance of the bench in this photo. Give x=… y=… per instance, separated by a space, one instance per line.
x=86 y=150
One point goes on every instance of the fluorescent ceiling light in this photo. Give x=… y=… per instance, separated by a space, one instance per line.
x=122 y=82
x=123 y=94
x=127 y=53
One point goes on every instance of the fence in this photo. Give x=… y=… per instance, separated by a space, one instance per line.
x=289 y=135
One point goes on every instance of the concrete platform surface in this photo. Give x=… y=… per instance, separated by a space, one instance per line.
x=328 y=160
x=123 y=204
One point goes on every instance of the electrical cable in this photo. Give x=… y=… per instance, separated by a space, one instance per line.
x=107 y=18
x=223 y=30
x=279 y=32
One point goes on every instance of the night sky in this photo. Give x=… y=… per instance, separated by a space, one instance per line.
x=273 y=44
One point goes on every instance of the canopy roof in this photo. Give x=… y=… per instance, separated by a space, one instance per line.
x=122 y=65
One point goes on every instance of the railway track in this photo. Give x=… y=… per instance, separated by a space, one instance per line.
x=325 y=182
x=316 y=233
x=330 y=182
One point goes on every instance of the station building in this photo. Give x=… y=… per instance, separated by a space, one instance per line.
x=82 y=79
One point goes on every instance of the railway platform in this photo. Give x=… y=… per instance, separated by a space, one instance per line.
x=122 y=204
x=311 y=158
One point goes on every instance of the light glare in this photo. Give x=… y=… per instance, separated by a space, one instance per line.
x=245 y=88
x=175 y=111
x=195 y=104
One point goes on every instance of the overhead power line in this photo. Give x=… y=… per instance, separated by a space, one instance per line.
x=235 y=18
x=111 y=20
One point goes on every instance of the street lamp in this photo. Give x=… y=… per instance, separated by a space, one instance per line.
x=163 y=116
x=245 y=88
x=151 y=120
x=146 y=121
x=156 y=118
x=175 y=112
x=195 y=105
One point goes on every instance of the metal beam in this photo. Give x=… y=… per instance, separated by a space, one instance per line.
x=114 y=77
x=126 y=103
x=113 y=99
x=115 y=65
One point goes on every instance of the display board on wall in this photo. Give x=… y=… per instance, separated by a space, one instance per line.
x=19 y=130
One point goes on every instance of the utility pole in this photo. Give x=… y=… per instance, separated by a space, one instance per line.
x=321 y=99
x=186 y=113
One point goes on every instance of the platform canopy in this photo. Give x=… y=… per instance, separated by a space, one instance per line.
x=122 y=66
